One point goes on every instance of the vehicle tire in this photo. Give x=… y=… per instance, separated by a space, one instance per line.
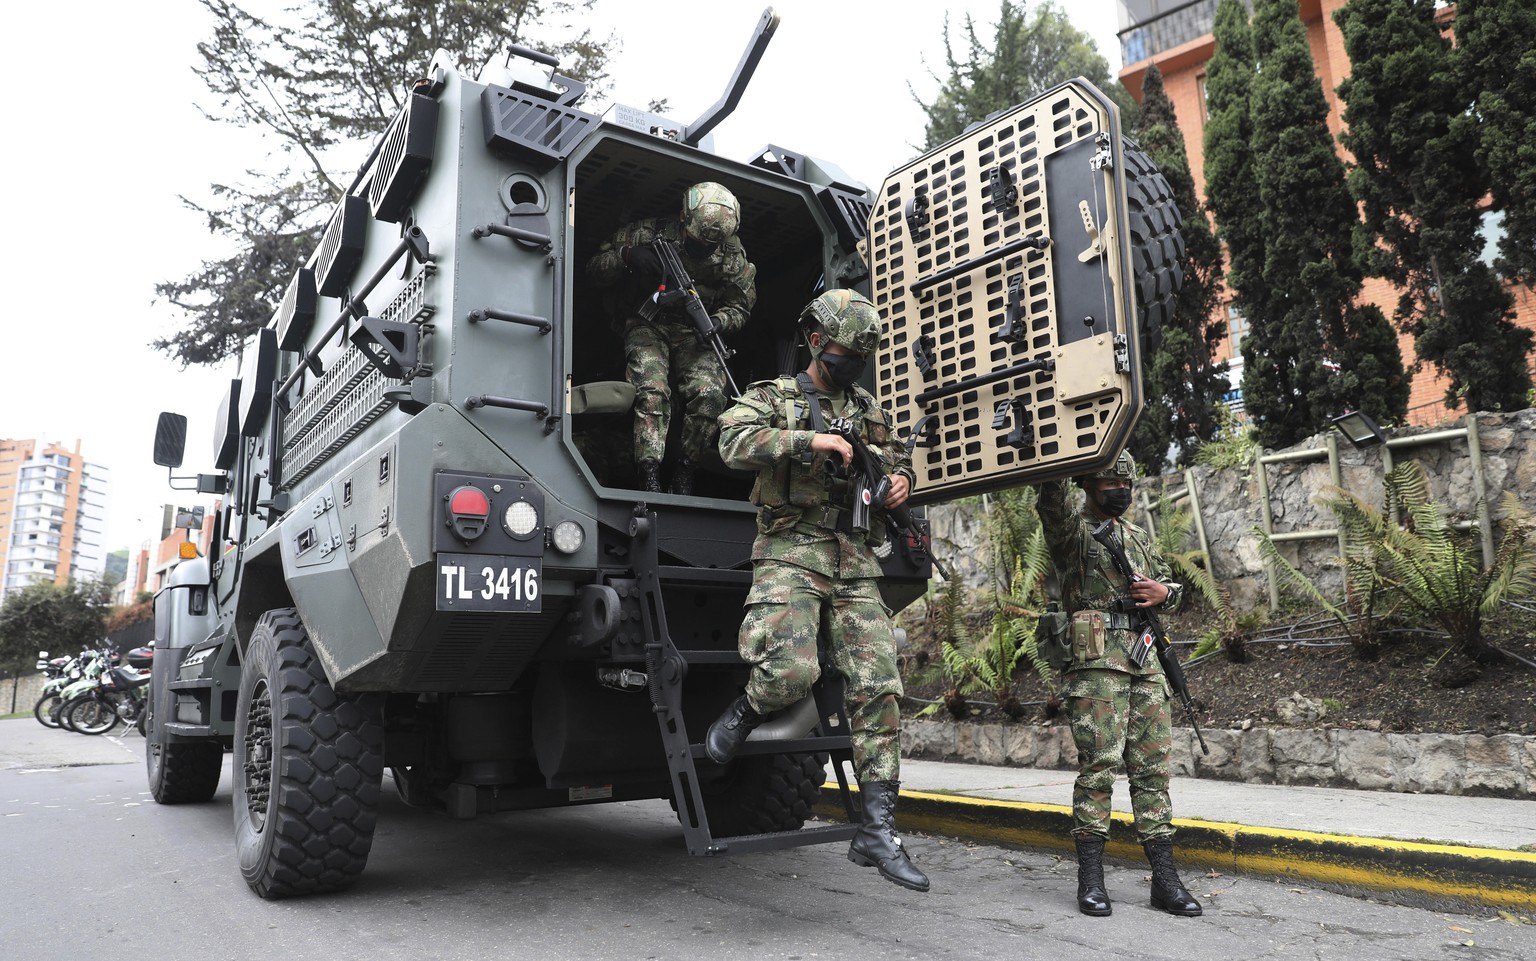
x=307 y=767
x=180 y=771
x=763 y=793
x=46 y=710
x=90 y=715
x=1157 y=246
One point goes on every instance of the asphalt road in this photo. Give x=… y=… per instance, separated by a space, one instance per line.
x=92 y=867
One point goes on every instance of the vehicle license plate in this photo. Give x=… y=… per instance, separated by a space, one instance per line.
x=489 y=582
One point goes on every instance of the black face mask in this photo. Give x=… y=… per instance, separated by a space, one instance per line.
x=843 y=370
x=698 y=249
x=1114 y=501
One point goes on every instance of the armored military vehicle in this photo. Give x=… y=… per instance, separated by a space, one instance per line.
x=428 y=565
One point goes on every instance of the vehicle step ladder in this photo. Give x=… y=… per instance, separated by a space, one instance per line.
x=667 y=667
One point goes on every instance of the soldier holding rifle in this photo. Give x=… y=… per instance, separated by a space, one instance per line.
x=1116 y=693
x=662 y=347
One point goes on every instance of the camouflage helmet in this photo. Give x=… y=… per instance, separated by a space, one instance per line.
x=1124 y=468
x=848 y=318
x=710 y=213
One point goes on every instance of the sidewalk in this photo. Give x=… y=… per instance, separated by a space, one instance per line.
x=1427 y=850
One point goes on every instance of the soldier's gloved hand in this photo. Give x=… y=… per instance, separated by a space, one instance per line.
x=643 y=262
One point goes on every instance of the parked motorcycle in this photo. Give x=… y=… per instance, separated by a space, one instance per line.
x=116 y=698
x=67 y=677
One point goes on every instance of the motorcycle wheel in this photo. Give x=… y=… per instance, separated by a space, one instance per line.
x=46 y=710
x=88 y=715
x=307 y=766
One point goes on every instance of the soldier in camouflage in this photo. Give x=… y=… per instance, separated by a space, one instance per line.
x=1119 y=709
x=664 y=348
x=812 y=571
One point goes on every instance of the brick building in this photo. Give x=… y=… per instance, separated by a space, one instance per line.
x=1176 y=35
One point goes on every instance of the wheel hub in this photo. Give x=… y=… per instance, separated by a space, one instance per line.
x=257 y=769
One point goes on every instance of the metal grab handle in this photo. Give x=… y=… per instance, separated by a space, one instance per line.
x=510 y=403
x=491 y=313
x=981 y=380
x=539 y=240
x=1036 y=242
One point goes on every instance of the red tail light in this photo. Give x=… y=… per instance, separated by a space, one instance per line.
x=468 y=511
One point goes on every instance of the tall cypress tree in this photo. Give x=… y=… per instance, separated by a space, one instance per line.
x=1229 y=191
x=1326 y=353
x=1184 y=384
x=1496 y=60
x=1417 y=180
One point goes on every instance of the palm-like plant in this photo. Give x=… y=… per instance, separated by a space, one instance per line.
x=1421 y=564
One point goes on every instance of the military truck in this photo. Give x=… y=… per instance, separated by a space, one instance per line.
x=428 y=565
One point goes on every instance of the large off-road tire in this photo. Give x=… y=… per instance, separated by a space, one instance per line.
x=90 y=715
x=180 y=771
x=307 y=766
x=46 y=710
x=763 y=793
x=1157 y=245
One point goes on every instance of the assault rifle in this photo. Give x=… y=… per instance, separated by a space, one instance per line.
x=676 y=286
x=1151 y=630
x=870 y=489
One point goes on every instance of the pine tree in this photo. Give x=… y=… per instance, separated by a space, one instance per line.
x=1325 y=353
x=1183 y=383
x=1496 y=60
x=323 y=74
x=1419 y=185
x=1028 y=54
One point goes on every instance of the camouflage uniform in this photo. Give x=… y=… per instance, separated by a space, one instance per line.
x=1118 y=710
x=665 y=346
x=809 y=571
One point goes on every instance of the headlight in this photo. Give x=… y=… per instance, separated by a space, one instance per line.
x=568 y=537
x=520 y=519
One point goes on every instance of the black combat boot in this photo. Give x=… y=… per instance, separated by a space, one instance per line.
x=730 y=730
x=1168 y=892
x=876 y=845
x=1091 y=896
x=650 y=476
x=682 y=476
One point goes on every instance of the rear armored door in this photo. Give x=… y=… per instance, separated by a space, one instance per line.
x=1014 y=268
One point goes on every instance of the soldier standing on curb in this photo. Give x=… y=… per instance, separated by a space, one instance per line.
x=1119 y=708
x=813 y=571
x=665 y=346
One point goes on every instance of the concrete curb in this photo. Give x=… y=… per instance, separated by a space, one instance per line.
x=1402 y=872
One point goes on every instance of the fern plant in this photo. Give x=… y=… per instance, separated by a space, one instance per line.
x=1190 y=565
x=1430 y=566
x=1366 y=603
x=989 y=666
x=1420 y=565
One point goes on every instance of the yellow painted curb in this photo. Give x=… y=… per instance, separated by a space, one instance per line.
x=1407 y=871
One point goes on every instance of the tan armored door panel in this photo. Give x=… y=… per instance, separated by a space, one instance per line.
x=1000 y=264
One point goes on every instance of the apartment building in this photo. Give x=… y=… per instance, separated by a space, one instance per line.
x=1176 y=35
x=52 y=514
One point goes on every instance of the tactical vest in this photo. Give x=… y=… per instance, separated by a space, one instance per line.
x=811 y=493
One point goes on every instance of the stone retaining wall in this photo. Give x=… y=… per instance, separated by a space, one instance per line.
x=26 y=692
x=1230 y=508
x=1500 y=766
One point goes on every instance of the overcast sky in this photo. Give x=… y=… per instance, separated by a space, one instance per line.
x=103 y=135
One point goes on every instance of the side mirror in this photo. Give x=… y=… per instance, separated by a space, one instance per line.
x=170 y=439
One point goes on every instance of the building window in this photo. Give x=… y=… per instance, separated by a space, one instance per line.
x=1237 y=329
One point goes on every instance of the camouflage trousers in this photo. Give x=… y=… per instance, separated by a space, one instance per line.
x=655 y=351
x=1118 y=716
x=788 y=609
